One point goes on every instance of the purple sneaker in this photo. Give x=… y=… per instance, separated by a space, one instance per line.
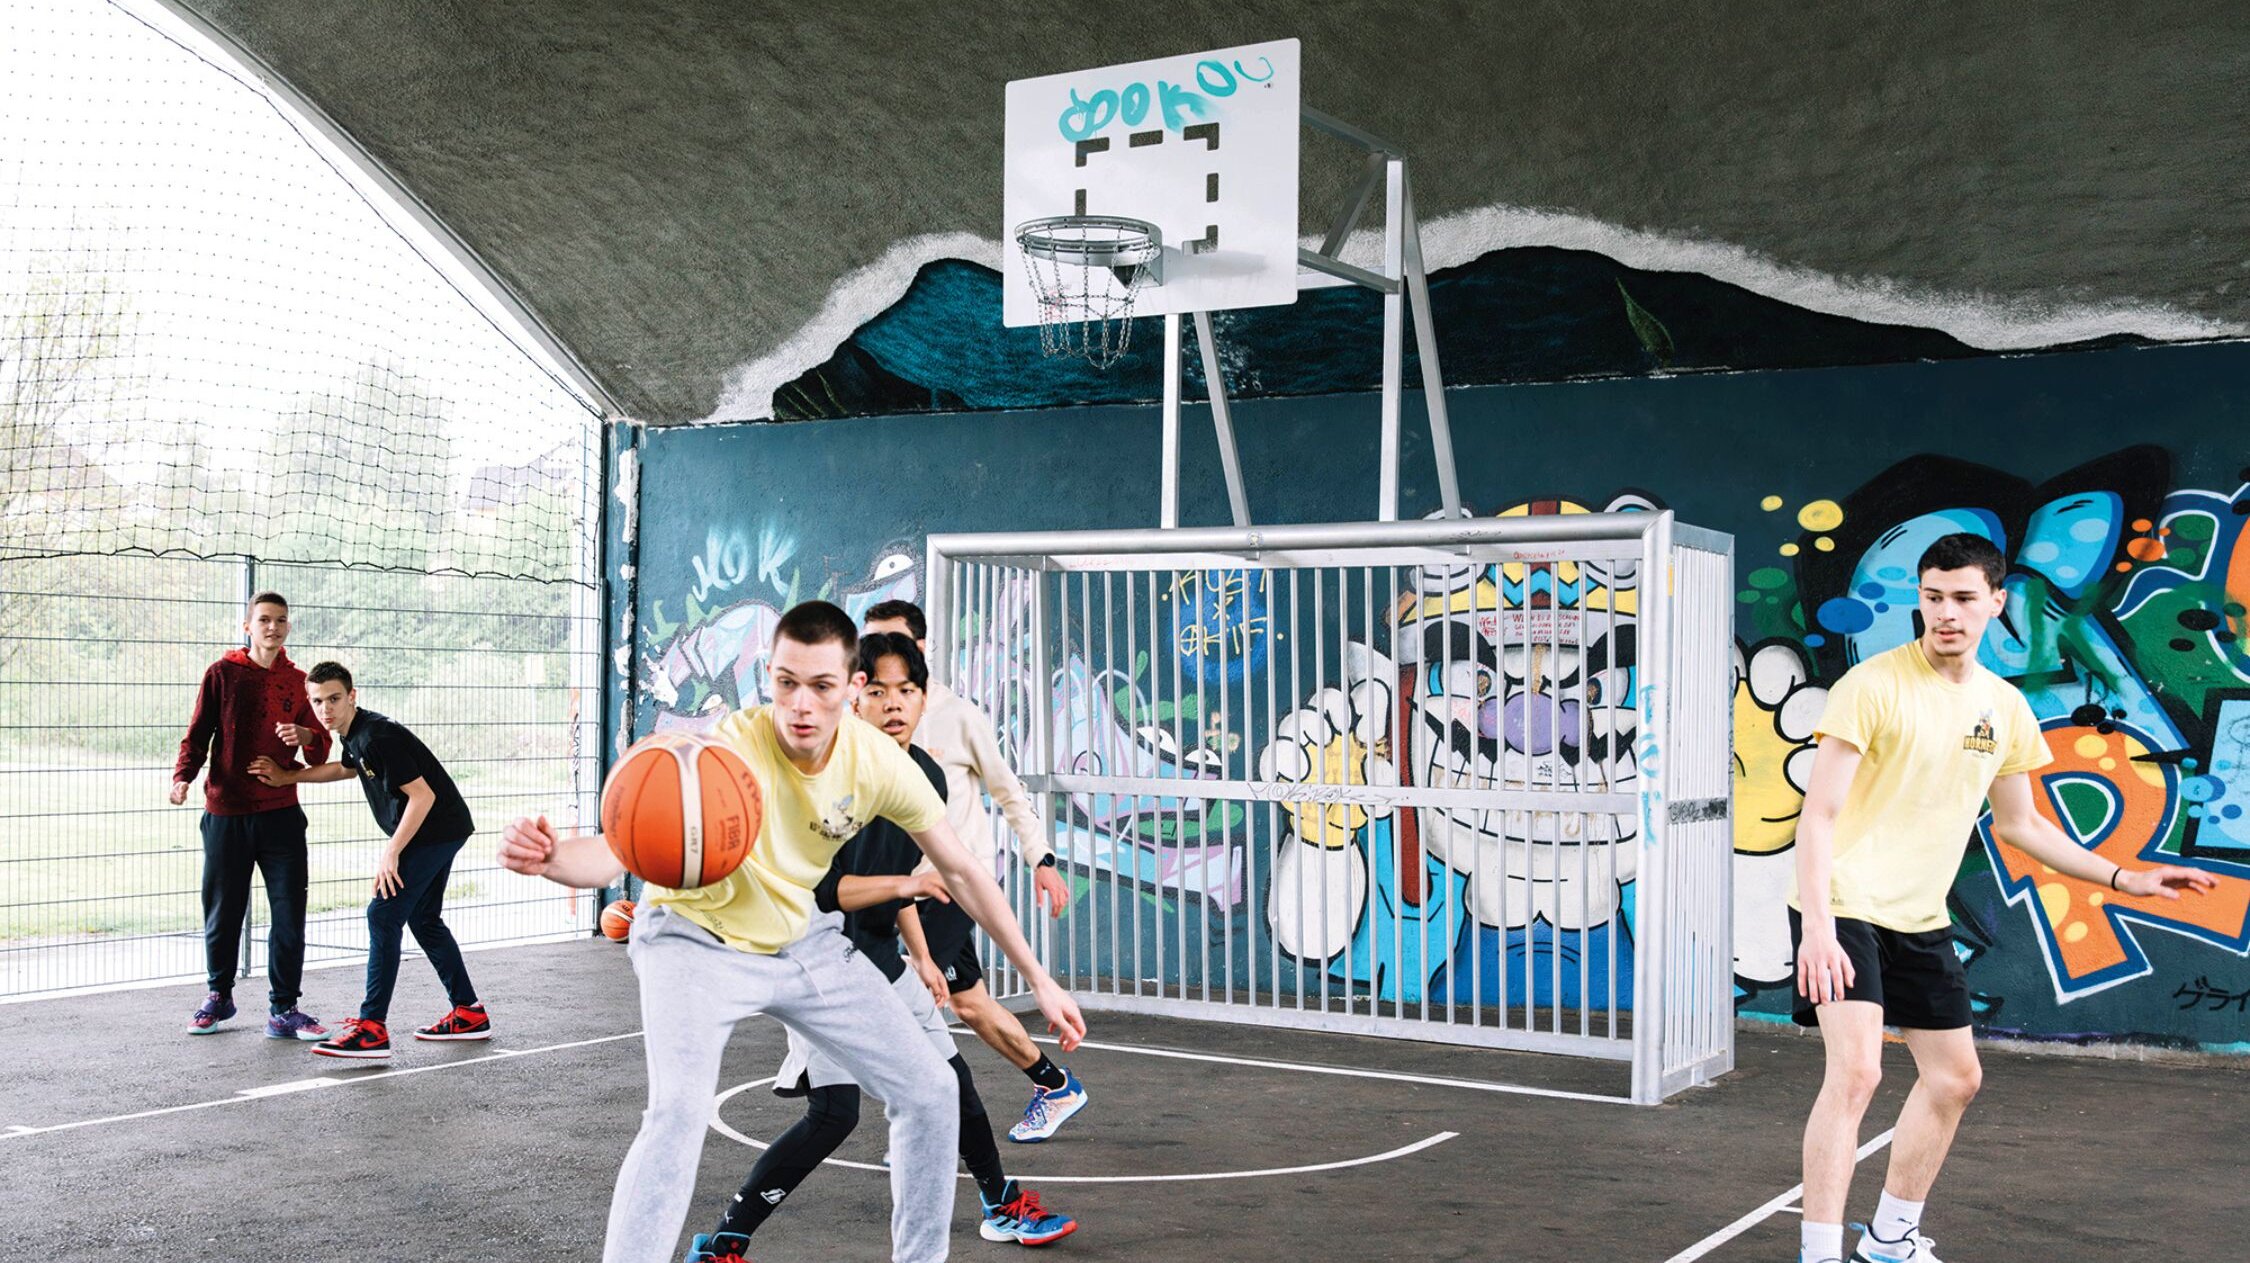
x=295 y=1024
x=217 y=1007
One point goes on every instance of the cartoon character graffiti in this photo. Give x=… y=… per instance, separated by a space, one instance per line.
x=1107 y=725
x=1776 y=706
x=1519 y=676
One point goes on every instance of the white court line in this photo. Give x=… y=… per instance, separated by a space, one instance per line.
x=1473 y=1085
x=1767 y=1211
x=720 y=1126
x=306 y=1085
x=283 y=1089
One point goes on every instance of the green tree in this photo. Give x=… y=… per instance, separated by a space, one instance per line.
x=66 y=325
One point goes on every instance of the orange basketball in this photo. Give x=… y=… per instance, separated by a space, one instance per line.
x=617 y=920
x=681 y=810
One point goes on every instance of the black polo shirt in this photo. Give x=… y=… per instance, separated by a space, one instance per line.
x=387 y=756
x=882 y=849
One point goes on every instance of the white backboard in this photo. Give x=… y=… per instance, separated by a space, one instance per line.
x=1204 y=146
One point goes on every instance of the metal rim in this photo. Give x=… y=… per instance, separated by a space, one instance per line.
x=1130 y=243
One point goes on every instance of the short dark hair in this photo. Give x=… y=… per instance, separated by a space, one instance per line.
x=267 y=598
x=818 y=623
x=908 y=610
x=876 y=646
x=323 y=672
x=1962 y=549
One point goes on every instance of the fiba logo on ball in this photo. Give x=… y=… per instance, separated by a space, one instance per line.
x=681 y=810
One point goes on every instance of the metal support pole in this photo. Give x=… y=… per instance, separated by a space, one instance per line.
x=937 y=605
x=1222 y=423
x=1425 y=347
x=1652 y=986
x=249 y=906
x=1168 y=512
x=1394 y=333
x=1355 y=205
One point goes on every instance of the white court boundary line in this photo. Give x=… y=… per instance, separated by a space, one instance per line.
x=1348 y=1072
x=261 y=1092
x=1767 y=1211
x=721 y=1126
x=266 y=1091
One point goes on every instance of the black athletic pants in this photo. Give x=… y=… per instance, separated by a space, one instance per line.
x=272 y=842
x=830 y=1115
x=418 y=906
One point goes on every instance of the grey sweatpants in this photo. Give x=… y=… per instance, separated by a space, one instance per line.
x=694 y=989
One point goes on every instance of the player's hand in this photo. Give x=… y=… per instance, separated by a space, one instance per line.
x=2165 y=881
x=1054 y=892
x=1824 y=972
x=387 y=882
x=526 y=845
x=293 y=734
x=265 y=769
x=179 y=792
x=940 y=994
x=1063 y=1017
x=925 y=885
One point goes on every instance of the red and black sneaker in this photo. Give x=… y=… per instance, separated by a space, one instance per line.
x=465 y=1022
x=362 y=1040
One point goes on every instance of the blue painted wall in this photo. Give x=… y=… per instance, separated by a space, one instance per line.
x=2115 y=478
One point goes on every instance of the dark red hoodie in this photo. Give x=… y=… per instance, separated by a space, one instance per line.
x=237 y=708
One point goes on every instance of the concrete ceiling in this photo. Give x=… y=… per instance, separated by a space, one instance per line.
x=681 y=189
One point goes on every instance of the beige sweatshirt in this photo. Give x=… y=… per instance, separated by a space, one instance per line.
x=958 y=734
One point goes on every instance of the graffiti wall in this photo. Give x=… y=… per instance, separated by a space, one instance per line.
x=2112 y=480
x=2125 y=610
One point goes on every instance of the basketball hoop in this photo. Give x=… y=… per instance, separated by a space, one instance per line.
x=1086 y=271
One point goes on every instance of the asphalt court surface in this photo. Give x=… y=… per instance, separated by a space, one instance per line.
x=122 y=1135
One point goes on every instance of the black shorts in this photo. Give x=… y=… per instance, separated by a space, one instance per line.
x=1917 y=978
x=952 y=937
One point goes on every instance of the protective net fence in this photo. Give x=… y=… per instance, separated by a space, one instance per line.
x=227 y=365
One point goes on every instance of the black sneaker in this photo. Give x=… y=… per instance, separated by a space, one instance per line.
x=362 y=1040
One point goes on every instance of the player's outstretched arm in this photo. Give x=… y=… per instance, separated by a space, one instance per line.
x=979 y=896
x=275 y=774
x=1015 y=804
x=854 y=892
x=2016 y=822
x=531 y=846
x=918 y=954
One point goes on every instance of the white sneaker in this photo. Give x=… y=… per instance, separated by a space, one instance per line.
x=1916 y=1248
x=1048 y=1111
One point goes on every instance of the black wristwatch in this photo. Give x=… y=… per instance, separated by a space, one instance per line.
x=1046 y=861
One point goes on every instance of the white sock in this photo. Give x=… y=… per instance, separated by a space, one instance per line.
x=1821 y=1243
x=1894 y=1219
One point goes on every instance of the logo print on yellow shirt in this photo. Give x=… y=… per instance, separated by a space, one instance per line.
x=1979 y=740
x=838 y=824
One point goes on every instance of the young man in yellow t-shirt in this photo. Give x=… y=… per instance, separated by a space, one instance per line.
x=1912 y=744
x=755 y=943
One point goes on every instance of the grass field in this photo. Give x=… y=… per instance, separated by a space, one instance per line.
x=93 y=848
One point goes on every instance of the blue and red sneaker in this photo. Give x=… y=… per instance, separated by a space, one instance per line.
x=718 y=1247
x=1020 y=1218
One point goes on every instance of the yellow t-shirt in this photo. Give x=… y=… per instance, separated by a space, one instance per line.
x=1929 y=752
x=765 y=905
